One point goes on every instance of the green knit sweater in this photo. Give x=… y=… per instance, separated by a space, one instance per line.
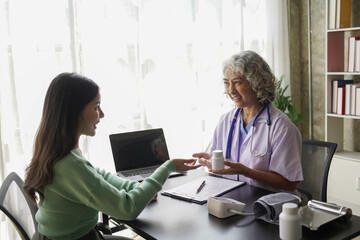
x=79 y=191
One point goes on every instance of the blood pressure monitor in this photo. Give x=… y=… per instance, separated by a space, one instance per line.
x=224 y=207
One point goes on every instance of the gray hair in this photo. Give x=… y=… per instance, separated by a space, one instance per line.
x=252 y=67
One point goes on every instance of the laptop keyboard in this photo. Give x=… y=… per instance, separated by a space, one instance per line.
x=142 y=171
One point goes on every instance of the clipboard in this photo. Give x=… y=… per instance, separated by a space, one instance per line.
x=214 y=187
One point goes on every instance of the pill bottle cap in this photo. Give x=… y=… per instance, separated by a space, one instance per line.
x=290 y=208
x=218 y=153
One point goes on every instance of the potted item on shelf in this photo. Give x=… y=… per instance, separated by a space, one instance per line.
x=283 y=103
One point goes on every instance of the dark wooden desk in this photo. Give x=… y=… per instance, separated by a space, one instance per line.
x=169 y=218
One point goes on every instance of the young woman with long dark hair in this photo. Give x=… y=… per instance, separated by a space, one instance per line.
x=68 y=190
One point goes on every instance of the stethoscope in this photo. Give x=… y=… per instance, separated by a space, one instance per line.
x=228 y=148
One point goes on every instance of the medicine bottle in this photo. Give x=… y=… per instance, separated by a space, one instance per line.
x=290 y=222
x=217 y=160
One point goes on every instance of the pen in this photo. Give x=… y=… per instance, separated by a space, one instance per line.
x=201 y=187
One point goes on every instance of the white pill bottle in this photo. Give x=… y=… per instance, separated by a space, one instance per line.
x=290 y=226
x=217 y=160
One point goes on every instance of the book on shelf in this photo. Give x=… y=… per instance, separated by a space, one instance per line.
x=357 y=102
x=334 y=96
x=353 y=98
x=335 y=85
x=343 y=14
x=351 y=53
x=337 y=14
x=347 y=99
x=341 y=101
x=357 y=56
x=331 y=14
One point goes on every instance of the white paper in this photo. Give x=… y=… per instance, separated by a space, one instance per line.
x=214 y=186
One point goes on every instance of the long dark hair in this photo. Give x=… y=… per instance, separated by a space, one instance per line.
x=57 y=134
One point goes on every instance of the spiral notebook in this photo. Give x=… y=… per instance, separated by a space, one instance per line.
x=214 y=187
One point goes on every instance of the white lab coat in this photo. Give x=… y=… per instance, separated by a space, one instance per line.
x=284 y=150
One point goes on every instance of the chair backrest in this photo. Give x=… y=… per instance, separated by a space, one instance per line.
x=316 y=159
x=18 y=207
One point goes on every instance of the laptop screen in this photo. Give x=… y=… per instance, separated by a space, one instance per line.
x=138 y=149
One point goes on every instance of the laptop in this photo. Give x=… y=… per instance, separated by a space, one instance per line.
x=138 y=154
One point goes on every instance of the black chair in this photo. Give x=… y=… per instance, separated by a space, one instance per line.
x=105 y=226
x=315 y=159
x=15 y=204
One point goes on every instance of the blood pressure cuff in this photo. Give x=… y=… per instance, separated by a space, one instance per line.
x=269 y=207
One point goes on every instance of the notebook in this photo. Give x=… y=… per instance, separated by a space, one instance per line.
x=137 y=154
x=213 y=187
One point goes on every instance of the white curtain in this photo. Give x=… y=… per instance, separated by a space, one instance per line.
x=158 y=63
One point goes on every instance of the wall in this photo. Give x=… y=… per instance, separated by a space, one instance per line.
x=298 y=28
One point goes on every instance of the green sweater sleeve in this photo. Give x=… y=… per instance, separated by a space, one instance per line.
x=78 y=192
x=78 y=181
x=125 y=199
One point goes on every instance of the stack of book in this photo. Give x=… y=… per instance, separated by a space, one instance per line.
x=339 y=15
x=345 y=97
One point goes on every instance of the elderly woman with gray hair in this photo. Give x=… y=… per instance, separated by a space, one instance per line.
x=260 y=144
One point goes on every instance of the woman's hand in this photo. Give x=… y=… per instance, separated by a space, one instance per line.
x=204 y=159
x=183 y=165
x=155 y=197
x=231 y=168
x=268 y=178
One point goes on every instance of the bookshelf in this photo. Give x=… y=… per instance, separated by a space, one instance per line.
x=335 y=67
x=344 y=175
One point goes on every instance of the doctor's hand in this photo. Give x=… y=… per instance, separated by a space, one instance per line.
x=183 y=165
x=203 y=158
x=231 y=168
